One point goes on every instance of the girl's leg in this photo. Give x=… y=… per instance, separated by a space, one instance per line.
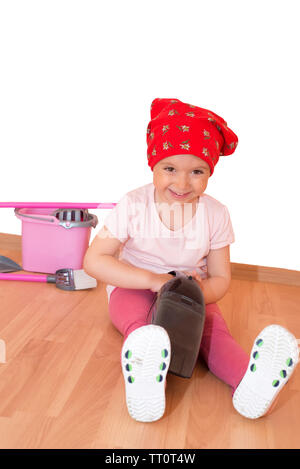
x=224 y=357
x=145 y=355
x=256 y=380
x=129 y=309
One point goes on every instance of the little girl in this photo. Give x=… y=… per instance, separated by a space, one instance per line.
x=173 y=225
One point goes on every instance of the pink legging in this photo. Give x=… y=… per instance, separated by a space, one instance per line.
x=129 y=309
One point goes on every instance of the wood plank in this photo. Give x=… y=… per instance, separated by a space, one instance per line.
x=257 y=273
x=10 y=241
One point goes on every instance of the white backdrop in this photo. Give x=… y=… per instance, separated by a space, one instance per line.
x=77 y=79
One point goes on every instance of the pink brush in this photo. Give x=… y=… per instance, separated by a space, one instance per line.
x=65 y=279
x=55 y=205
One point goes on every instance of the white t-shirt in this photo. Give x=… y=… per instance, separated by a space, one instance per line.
x=150 y=245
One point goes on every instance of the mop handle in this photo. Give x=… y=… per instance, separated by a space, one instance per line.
x=56 y=205
x=24 y=278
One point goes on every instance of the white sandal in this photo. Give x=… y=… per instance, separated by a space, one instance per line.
x=273 y=359
x=145 y=361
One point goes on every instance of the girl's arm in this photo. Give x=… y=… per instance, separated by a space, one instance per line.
x=100 y=263
x=219 y=275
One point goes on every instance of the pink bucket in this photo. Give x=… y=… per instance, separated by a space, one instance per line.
x=53 y=241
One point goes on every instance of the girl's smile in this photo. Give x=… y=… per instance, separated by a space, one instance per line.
x=177 y=195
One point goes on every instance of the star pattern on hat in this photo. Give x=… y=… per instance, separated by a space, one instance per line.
x=167 y=145
x=173 y=112
x=185 y=145
x=183 y=128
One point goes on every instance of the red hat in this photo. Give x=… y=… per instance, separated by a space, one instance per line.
x=178 y=128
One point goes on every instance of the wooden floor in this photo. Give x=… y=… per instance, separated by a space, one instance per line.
x=61 y=385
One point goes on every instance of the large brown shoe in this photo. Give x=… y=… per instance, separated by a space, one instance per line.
x=180 y=309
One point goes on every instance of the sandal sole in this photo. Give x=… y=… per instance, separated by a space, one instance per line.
x=273 y=359
x=145 y=361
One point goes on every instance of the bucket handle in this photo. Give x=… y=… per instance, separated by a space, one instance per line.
x=93 y=221
x=39 y=217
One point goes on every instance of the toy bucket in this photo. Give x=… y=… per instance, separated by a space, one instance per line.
x=54 y=239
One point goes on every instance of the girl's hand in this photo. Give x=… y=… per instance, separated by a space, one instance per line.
x=196 y=277
x=158 y=280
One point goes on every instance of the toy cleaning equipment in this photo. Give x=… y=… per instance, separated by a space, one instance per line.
x=65 y=279
x=52 y=240
x=180 y=309
x=7 y=265
x=69 y=205
x=55 y=235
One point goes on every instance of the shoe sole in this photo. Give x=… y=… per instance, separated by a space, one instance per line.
x=273 y=359
x=145 y=361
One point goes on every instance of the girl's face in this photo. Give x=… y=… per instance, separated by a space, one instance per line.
x=180 y=178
